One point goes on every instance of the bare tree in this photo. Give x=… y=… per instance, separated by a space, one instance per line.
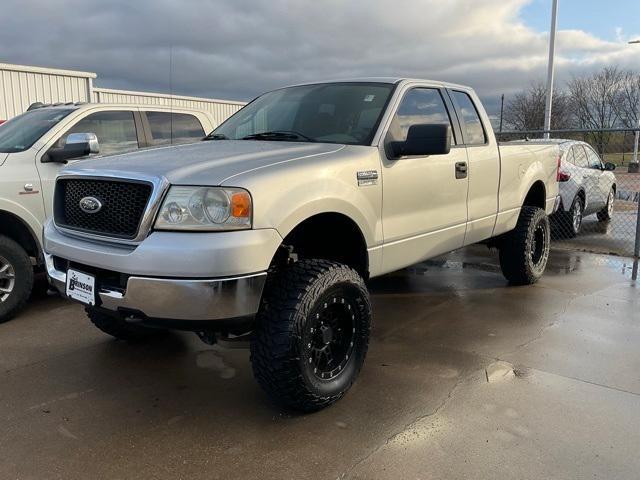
x=628 y=101
x=594 y=103
x=525 y=111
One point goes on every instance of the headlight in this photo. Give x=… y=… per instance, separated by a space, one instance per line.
x=205 y=208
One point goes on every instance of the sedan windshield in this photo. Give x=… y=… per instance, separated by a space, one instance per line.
x=21 y=132
x=346 y=113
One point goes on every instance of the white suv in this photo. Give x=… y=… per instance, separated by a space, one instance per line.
x=587 y=186
x=33 y=148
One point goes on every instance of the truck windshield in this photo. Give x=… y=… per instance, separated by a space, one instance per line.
x=21 y=132
x=347 y=113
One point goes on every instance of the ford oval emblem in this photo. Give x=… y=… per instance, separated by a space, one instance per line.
x=90 y=205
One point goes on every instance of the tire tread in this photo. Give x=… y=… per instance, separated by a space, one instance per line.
x=290 y=293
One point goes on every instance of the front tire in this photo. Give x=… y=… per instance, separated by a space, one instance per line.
x=116 y=327
x=524 y=251
x=16 y=278
x=606 y=213
x=312 y=334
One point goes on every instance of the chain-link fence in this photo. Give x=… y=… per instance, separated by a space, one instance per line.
x=599 y=189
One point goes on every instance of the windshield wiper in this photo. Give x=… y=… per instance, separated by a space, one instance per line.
x=215 y=136
x=276 y=135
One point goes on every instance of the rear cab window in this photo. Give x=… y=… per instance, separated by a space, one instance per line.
x=472 y=128
x=168 y=128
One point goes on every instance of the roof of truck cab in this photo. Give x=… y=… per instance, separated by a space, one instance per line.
x=388 y=80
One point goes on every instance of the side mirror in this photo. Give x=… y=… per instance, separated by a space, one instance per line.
x=427 y=139
x=76 y=145
x=610 y=167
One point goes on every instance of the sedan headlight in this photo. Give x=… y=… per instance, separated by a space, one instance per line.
x=205 y=208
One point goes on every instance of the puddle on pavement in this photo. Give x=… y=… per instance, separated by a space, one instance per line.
x=499 y=372
x=213 y=360
x=567 y=262
x=434 y=265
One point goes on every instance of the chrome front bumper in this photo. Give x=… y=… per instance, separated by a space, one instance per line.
x=175 y=298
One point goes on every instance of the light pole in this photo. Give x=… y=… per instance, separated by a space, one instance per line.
x=552 y=50
x=637 y=133
x=636 y=250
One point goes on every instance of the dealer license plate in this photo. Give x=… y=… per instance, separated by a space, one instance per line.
x=81 y=287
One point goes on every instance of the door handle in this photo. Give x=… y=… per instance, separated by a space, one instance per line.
x=461 y=170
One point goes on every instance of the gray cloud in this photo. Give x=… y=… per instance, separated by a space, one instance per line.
x=238 y=48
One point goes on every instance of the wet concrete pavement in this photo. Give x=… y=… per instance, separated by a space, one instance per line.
x=616 y=237
x=437 y=398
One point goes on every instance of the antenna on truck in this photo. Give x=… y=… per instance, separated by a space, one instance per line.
x=171 y=95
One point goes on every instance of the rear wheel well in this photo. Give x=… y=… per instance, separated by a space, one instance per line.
x=15 y=229
x=329 y=236
x=536 y=197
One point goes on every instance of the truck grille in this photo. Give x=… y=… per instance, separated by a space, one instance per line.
x=122 y=206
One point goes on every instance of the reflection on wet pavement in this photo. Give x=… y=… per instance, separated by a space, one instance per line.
x=466 y=377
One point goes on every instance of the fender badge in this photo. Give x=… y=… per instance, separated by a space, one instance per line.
x=367 y=177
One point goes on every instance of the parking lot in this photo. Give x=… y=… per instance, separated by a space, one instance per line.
x=466 y=378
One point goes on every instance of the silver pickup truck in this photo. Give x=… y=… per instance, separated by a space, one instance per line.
x=268 y=230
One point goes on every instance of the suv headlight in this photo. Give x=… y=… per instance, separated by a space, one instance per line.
x=205 y=208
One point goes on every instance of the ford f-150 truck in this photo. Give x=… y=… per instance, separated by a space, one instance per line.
x=269 y=230
x=34 y=146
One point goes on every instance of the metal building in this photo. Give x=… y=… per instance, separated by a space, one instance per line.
x=22 y=85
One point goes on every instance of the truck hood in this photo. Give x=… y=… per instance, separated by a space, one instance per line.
x=204 y=163
x=3 y=157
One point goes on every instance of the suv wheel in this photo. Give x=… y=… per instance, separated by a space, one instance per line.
x=312 y=334
x=573 y=218
x=16 y=278
x=524 y=251
x=117 y=327
x=606 y=213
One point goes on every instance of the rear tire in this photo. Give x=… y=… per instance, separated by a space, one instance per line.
x=571 y=221
x=312 y=334
x=606 y=213
x=120 y=329
x=16 y=278
x=524 y=251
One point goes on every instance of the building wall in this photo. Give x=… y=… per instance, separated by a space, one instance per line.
x=220 y=109
x=22 y=85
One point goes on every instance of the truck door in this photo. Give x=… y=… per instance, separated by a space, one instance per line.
x=424 y=211
x=484 y=168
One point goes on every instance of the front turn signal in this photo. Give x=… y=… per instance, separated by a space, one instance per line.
x=241 y=205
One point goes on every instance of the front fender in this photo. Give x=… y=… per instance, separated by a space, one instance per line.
x=285 y=196
x=32 y=222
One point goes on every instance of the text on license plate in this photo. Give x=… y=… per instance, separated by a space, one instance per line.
x=81 y=287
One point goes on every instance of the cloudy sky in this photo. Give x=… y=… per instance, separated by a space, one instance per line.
x=236 y=49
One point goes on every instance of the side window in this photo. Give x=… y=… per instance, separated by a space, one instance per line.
x=473 y=131
x=569 y=157
x=580 y=156
x=419 y=106
x=116 y=131
x=173 y=128
x=593 y=159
